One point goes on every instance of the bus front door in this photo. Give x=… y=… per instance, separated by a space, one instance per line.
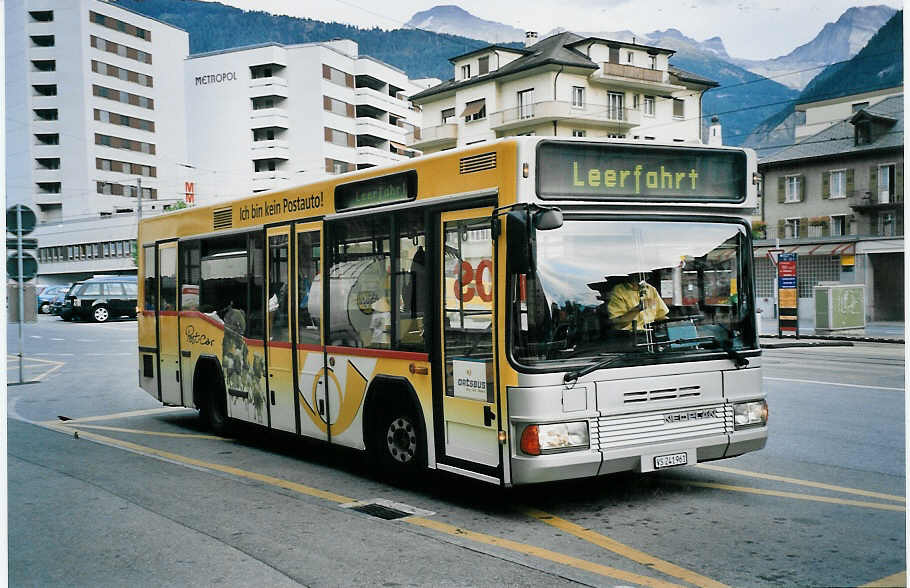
x=470 y=420
x=279 y=352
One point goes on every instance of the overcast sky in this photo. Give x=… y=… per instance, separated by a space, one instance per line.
x=751 y=29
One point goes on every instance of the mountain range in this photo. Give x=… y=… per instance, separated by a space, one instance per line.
x=837 y=41
x=877 y=66
x=422 y=49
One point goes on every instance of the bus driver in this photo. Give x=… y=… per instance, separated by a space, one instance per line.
x=634 y=304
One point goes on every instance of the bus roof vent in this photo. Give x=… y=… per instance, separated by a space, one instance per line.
x=476 y=163
x=223 y=218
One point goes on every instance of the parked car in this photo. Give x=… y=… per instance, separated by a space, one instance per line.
x=61 y=306
x=101 y=298
x=47 y=295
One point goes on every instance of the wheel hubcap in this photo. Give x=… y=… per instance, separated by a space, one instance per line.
x=401 y=439
x=101 y=314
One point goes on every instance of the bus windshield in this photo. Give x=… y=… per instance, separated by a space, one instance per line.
x=637 y=291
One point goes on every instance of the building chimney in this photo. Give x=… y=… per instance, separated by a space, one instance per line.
x=530 y=38
x=715 y=133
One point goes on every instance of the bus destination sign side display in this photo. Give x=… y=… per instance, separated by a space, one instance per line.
x=787 y=295
x=590 y=171
x=376 y=191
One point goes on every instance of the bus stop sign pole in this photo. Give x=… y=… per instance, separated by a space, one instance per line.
x=24 y=226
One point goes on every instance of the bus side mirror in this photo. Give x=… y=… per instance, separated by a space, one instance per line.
x=518 y=241
x=547 y=219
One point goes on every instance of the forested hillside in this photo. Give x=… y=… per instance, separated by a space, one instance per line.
x=880 y=64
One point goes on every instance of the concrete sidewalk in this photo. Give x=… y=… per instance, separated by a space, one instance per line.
x=875 y=332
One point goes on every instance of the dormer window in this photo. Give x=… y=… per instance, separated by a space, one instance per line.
x=483 y=65
x=466 y=71
x=862 y=132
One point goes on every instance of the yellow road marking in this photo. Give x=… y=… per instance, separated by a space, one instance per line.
x=624 y=550
x=12 y=357
x=810 y=497
x=30 y=363
x=899 y=579
x=809 y=483
x=142 y=449
x=143 y=432
x=338 y=498
x=117 y=415
x=539 y=552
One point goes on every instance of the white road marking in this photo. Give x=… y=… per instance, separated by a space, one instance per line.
x=834 y=384
x=57 y=339
x=35 y=336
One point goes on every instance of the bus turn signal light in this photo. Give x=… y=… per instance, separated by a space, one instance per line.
x=530 y=441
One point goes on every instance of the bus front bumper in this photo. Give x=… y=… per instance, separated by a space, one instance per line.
x=526 y=469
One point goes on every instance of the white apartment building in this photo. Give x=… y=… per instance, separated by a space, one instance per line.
x=565 y=85
x=821 y=114
x=94 y=108
x=269 y=116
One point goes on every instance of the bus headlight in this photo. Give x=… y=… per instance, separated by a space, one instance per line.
x=750 y=414
x=554 y=438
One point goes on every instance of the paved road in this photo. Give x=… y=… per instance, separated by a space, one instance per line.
x=143 y=495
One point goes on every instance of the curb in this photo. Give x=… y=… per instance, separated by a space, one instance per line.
x=801 y=343
x=825 y=341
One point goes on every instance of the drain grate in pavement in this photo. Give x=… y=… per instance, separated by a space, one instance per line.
x=386 y=509
x=380 y=511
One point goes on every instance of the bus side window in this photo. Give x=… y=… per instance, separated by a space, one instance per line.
x=411 y=281
x=309 y=302
x=150 y=285
x=360 y=282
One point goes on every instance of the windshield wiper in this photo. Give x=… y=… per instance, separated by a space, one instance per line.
x=726 y=344
x=597 y=365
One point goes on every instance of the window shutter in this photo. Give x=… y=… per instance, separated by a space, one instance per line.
x=352 y=142
x=803 y=227
x=350 y=110
x=781 y=228
x=851 y=184
x=873 y=182
x=326 y=72
x=348 y=80
x=326 y=103
x=898 y=184
x=781 y=189
x=328 y=134
x=826 y=185
x=802 y=188
x=826 y=228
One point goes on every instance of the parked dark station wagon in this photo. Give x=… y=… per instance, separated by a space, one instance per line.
x=103 y=297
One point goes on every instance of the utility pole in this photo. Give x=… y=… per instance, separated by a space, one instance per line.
x=138 y=201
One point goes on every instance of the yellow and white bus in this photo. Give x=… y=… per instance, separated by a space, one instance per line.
x=526 y=310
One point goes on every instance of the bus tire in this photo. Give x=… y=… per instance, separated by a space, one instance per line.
x=208 y=390
x=399 y=441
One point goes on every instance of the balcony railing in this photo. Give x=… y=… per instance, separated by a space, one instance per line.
x=555 y=110
x=427 y=136
x=867 y=201
x=635 y=73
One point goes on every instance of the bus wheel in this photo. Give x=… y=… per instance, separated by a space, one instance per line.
x=213 y=409
x=399 y=441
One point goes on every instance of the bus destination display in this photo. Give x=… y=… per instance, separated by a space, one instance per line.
x=590 y=171
x=376 y=191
